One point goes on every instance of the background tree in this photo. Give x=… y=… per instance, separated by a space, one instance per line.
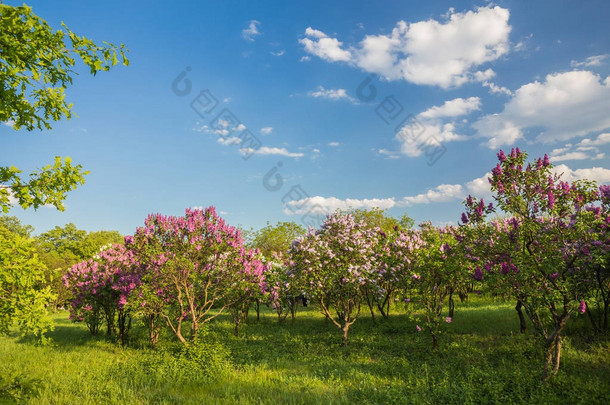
x=36 y=65
x=14 y=225
x=274 y=242
x=23 y=296
x=62 y=247
x=276 y=239
x=336 y=263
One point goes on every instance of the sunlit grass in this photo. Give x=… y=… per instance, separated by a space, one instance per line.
x=482 y=358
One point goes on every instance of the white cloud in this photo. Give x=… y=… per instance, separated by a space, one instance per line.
x=444 y=192
x=321 y=45
x=478 y=187
x=334 y=144
x=331 y=94
x=266 y=130
x=305 y=58
x=326 y=205
x=576 y=156
x=252 y=31
x=278 y=53
x=586 y=149
x=599 y=174
x=453 y=108
x=444 y=54
x=9 y=123
x=523 y=44
x=602 y=139
x=595 y=60
x=233 y=140
x=389 y=154
x=564 y=106
x=226 y=100
x=433 y=135
x=265 y=150
x=431 y=129
x=483 y=76
x=495 y=89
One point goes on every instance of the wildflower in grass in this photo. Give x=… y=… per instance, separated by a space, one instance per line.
x=418 y=328
x=448 y=319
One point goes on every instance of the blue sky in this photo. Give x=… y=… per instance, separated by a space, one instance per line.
x=303 y=108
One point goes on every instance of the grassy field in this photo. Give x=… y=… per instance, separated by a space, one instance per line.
x=481 y=359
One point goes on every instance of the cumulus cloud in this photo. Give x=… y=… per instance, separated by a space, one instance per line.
x=326 y=205
x=453 y=108
x=252 y=31
x=444 y=192
x=435 y=126
x=332 y=94
x=229 y=141
x=445 y=54
x=595 y=60
x=266 y=130
x=433 y=135
x=495 y=89
x=586 y=149
x=318 y=43
x=265 y=150
x=599 y=174
x=563 y=106
x=602 y=139
x=388 y=154
x=334 y=144
x=478 y=187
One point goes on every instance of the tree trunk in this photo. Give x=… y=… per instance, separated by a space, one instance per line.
x=258 y=310
x=596 y=327
x=345 y=331
x=370 y=304
x=180 y=337
x=522 y=323
x=606 y=304
x=434 y=341
x=553 y=344
x=451 y=305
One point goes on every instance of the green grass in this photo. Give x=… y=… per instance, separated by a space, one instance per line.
x=481 y=359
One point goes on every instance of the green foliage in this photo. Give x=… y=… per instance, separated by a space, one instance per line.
x=47 y=186
x=14 y=225
x=36 y=65
x=62 y=247
x=276 y=238
x=16 y=386
x=377 y=218
x=23 y=297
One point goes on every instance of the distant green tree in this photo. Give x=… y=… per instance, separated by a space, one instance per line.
x=276 y=238
x=15 y=226
x=378 y=218
x=62 y=247
x=35 y=69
